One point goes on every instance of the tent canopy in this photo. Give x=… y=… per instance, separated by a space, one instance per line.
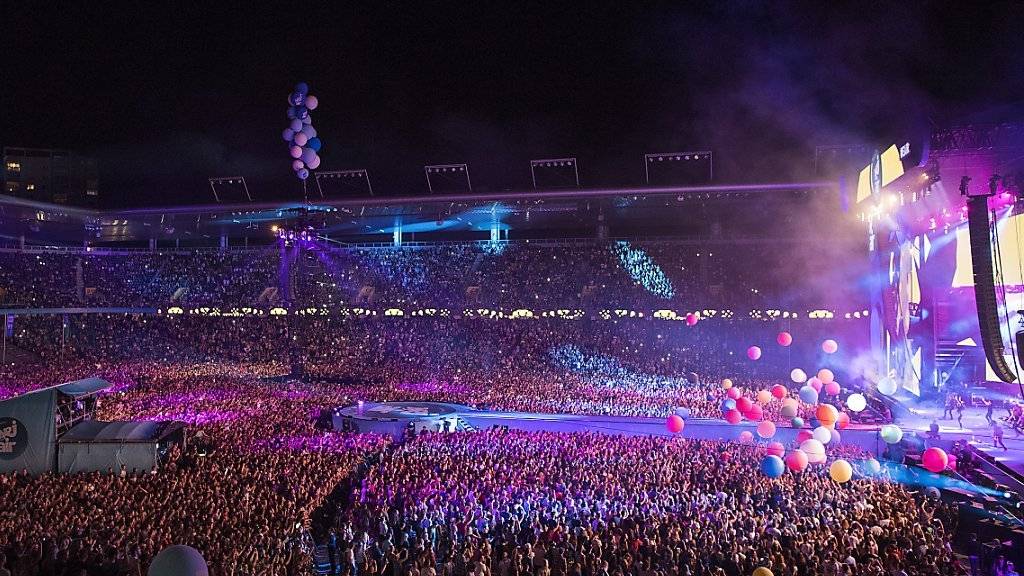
x=83 y=387
x=120 y=432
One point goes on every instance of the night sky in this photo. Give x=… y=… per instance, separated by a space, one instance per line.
x=165 y=99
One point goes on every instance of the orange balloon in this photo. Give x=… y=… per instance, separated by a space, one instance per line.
x=827 y=414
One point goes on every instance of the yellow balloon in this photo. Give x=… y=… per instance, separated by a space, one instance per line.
x=841 y=471
x=764 y=396
x=726 y=384
x=762 y=571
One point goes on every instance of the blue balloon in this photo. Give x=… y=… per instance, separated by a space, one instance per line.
x=797 y=422
x=301 y=112
x=297 y=99
x=302 y=174
x=815 y=422
x=728 y=404
x=302 y=88
x=808 y=395
x=291 y=113
x=314 y=143
x=772 y=466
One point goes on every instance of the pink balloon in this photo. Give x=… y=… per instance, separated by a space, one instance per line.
x=301 y=138
x=297 y=165
x=733 y=416
x=934 y=459
x=951 y=462
x=314 y=163
x=311 y=102
x=755 y=414
x=842 y=421
x=779 y=391
x=832 y=388
x=733 y=393
x=830 y=346
x=744 y=404
x=746 y=437
x=776 y=449
x=675 y=424
x=804 y=434
x=766 y=429
x=691 y=319
x=753 y=352
x=817 y=386
x=295 y=151
x=796 y=460
x=784 y=339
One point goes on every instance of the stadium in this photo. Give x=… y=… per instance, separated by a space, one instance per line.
x=684 y=365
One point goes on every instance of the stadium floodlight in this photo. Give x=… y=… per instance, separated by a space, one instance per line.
x=555 y=173
x=448 y=178
x=233 y=188
x=679 y=168
x=343 y=183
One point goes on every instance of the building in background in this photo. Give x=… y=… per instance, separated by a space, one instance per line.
x=46 y=175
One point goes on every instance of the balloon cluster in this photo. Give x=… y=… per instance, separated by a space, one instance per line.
x=303 y=143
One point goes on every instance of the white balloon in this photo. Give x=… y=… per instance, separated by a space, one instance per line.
x=887 y=386
x=856 y=402
x=822 y=434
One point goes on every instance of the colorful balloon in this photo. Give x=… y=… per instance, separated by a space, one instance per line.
x=312 y=102
x=296 y=125
x=302 y=174
x=755 y=414
x=951 y=462
x=826 y=414
x=779 y=391
x=764 y=396
x=295 y=151
x=830 y=346
x=733 y=392
x=675 y=424
x=288 y=134
x=726 y=384
x=796 y=460
x=754 y=353
x=315 y=162
x=887 y=386
x=826 y=375
x=797 y=422
x=784 y=338
x=691 y=319
x=733 y=417
x=728 y=404
x=871 y=467
x=314 y=143
x=856 y=402
x=772 y=466
x=814 y=449
x=775 y=449
x=766 y=429
x=841 y=471
x=297 y=165
x=808 y=395
x=743 y=404
x=842 y=421
x=803 y=435
x=891 y=433
x=832 y=388
x=822 y=434
x=934 y=459
x=300 y=139
x=746 y=437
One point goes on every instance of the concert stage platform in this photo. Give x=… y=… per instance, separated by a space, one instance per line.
x=395 y=418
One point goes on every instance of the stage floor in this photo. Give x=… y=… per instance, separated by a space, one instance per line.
x=975 y=430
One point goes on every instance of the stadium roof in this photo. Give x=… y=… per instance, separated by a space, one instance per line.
x=118 y=432
x=552 y=213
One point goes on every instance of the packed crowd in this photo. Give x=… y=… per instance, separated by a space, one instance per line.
x=585 y=276
x=244 y=491
x=627 y=368
x=512 y=503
